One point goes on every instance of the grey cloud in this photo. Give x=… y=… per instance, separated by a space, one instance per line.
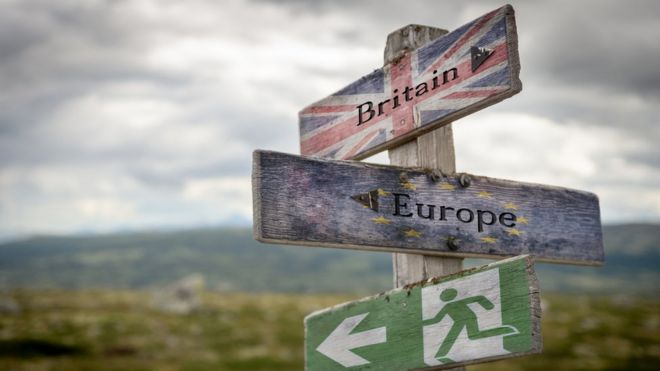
x=648 y=156
x=575 y=72
x=174 y=180
x=608 y=44
x=595 y=44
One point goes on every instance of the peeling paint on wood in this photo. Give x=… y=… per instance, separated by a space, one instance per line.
x=306 y=201
x=478 y=315
x=473 y=67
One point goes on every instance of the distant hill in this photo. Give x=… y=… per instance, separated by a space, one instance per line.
x=230 y=259
x=632 y=264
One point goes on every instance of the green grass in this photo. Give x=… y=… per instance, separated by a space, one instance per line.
x=119 y=330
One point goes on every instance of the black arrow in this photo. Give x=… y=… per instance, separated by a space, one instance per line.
x=369 y=199
x=479 y=56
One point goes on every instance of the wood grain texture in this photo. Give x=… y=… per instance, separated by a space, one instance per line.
x=412 y=327
x=306 y=201
x=336 y=127
x=407 y=39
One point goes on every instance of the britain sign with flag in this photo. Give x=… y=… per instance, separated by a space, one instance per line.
x=459 y=73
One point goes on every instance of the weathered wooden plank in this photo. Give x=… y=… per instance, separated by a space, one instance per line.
x=344 y=204
x=478 y=315
x=466 y=70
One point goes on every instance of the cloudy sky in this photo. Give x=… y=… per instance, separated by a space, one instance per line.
x=139 y=114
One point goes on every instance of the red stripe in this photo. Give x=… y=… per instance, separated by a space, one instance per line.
x=464 y=39
x=336 y=134
x=402 y=118
x=358 y=146
x=349 y=127
x=465 y=72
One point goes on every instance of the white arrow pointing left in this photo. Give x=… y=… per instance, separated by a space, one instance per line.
x=337 y=346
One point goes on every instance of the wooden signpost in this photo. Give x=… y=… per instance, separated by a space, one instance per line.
x=468 y=69
x=421 y=209
x=306 y=201
x=479 y=315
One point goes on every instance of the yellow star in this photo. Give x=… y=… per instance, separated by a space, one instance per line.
x=522 y=220
x=511 y=206
x=484 y=194
x=381 y=220
x=408 y=185
x=514 y=232
x=488 y=239
x=382 y=192
x=412 y=233
x=447 y=186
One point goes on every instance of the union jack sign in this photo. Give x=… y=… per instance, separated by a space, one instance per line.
x=466 y=70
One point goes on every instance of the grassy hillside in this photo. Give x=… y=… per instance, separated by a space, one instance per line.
x=632 y=264
x=231 y=260
x=119 y=330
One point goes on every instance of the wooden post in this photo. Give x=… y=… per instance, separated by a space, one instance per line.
x=432 y=150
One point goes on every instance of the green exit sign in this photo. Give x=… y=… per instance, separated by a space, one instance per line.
x=477 y=315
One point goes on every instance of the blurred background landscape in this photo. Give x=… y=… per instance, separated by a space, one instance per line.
x=215 y=299
x=229 y=259
x=126 y=133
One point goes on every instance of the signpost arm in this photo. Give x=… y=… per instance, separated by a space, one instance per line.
x=433 y=150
